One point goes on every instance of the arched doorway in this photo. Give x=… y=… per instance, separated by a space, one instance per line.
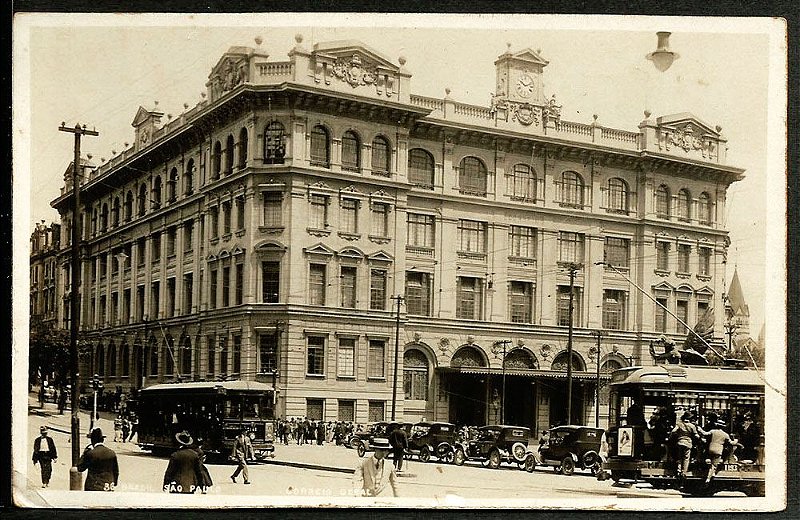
x=467 y=393
x=519 y=404
x=559 y=391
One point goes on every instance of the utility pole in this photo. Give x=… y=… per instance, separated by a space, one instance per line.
x=730 y=330
x=75 y=478
x=399 y=300
x=598 y=334
x=503 y=392
x=573 y=268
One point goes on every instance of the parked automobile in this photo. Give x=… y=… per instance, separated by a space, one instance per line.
x=570 y=447
x=496 y=444
x=436 y=439
x=362 y=441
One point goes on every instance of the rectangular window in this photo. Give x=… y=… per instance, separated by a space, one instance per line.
x=415 y=382
x=662 y=256
x=188 y=287
x=377 y=289
x=376 y=359
x=239 y=287
x=684 y=252
x=376 y=411
x=140 y=303
x=661 y=315
x=348 y=280
x=319 y=212
x=570 y=247
x=171 y=287
x=522 y=242
x=140 y=251
x=236 y=354
x=315 y=356
x=705 y=261
x=240 y=212
x=223 y=355
x=272 y=208
x=212 y=290
x=418 y=293
x=126 y=307
x=211 y=341
x=226 y=286
x=114 y=308
x=172 y=241
x=102 y=313
x=472 y=236
x=702 y=308
x=469 y=298
x=380 y=219
x=226 y=218
x=349 y=216
x=267 y=352
x=316 y=289
x=563 y=306
x=315 y=408
x=613 y=309
x=188 y=236
x=421 y=230
x=213 y=224
x=520 y=295
x=346 y=358
x=270 y=281
x=155 y=247
x=155 y=300
x=347 y=410
x=617 y=251
x=103 y=265
x=682 y=312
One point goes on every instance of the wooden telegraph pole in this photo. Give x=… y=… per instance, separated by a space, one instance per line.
x=573 y=268
x=396 y=354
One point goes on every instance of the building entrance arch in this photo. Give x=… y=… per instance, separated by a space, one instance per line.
x=467 y=392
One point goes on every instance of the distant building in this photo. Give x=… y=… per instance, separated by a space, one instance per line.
x=44 y=272
x=263 y=234
x=736 y=309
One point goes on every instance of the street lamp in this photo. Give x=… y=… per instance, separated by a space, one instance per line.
x=497 y=348
x=662 y=57
x=97 y=384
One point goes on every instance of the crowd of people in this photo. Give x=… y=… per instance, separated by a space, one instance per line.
x=304 y=431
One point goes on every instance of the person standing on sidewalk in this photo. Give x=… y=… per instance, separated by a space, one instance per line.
x=372 y=474
x=62 y=400
x=126 y=428
x=100 y=464
x=398 y=439
x=242 y=450
x=44 y=453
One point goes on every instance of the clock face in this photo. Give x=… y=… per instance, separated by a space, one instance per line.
x=525 y=86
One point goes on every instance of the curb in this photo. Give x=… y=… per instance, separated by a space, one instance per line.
x=308 y=465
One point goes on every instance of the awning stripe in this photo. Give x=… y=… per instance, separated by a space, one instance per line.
x=532 y=373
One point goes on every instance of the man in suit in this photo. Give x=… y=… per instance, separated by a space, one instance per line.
x=100 y=464
x=372 y=474
x=398 y=439
x=44 y=453
x=184 y=472
x=242 y=450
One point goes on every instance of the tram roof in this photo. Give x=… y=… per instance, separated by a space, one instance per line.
x=246 y=386
x=690 y=374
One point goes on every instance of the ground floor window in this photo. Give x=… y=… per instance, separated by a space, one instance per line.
x=376 y=411
x=415 y=375
x=347 y=410
x=314 y=409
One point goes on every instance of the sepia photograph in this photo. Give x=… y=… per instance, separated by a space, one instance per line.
x=429 y=261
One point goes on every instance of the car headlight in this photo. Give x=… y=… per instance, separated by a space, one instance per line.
x=252 y=436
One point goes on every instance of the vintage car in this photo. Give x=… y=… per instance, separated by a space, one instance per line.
x=436 y=439
x=496 y=444
x=362 y=441
x=570 y=447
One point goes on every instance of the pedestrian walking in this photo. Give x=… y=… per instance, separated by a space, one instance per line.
x=41 y=395
x=62 y=401
x=207 y=481
x=118 y=428
x=398 y=439
x=134 y=426
x=100 y=464
x=242 y=450
x=126 y=429
x=373 y=475
x=44 y=453
x=320 y=433
x=184 y=472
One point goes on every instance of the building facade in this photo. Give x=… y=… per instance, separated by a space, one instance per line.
x=267 y=233
x=44 y=273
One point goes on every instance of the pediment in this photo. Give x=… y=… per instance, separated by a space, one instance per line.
x=530 y=56
x=685 y=287
x=687 y=123
x=380 y=195
x=270 y=246
x=351 y=252
x=142 y=115
x=706 y=290
x=319 y=249
x=237 y=251
x=351 y=190
x=224 y=254
x=211 y=258
x=381 y=256
x=354 y=53
x=663 y=286
x=320 y=186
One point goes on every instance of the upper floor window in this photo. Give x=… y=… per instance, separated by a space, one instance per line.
x=522 y=242
x=684 y=201
x=229 y=147
x=156 y=192
x=705 y=261
x=472 y=236
x=351 y=152
x=617 y=251
x=272 y=208
x=684 y=253
x=381 y=156
x=662 y=256
x=420 y=168
x=571 y=190
x=418 y=293
x=469 y=298
x=380 y=219
x=520 y=301
x=704 y=213
x=317 y=284
x=115 y=212
x=472 y=176
x=319 y=211
x=270 y=281
x=104 y=218
x=570 y=247
x=128 y=206
x=188 y=178
x=613 y=309
x=216 y=160
x=349 y=215
x=213 y=221
x=226 y=217
x=420 y=230
x=377 y=289
x=663 y=202
x=274 y=145
x=141 y=203
x=320 y=147
x=521 y=183
x=240 y=212
x=172 y=185
x=243 y=144
x=617 y=196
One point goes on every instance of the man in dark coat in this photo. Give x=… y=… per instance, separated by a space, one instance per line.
x=44 y=453
x=100 y=464
x=398 y=439
x=184 y=472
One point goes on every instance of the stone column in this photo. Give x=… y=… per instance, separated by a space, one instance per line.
x=546 y=274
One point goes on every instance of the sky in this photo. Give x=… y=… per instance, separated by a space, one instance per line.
x=97 y=70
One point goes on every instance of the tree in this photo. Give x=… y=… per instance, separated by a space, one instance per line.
x=48 y=352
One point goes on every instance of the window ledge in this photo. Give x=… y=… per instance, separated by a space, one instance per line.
x=573 y=205
x=378 y=379
x=474 y=193
x=349 y=236
x=379 y=239
x=381 y=173
x=617 y=211
x=661 y=272
x=621 y=269
x=315 y=376
x=213 y=240
x=240 y=232
x=226 y=237
x=522 y=198
x=422 y=186
x=420 y=250
x=271 y=230
x=523 y=261
x=346 y=378
x=684 y=276
x=471 y=255
x=318 y=232
x=704 y=277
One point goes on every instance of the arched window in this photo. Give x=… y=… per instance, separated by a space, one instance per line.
x=243 y=143
x=125 y=355
x=684 y=200
x=521 y=183
x=415 y=375
x=351 y=152
x=157 y=192
x=152 y=356
x=381 y=156
x=320 y=147
x=172 y=185
x=169 y=355
x=94 y=221
x=521 y=358
x=142 y=202
x=229 y=146
x=186 y=355
x=274 y=146
x=571 y=190
x=104 y=218
x=188 y=178
x=115 y=212
x=112 y=359
x=128 y=206
x=472 y=177
x=617 y=196
x=216 y=161
x=663 y=202
x=420 y=168
x=468 y=356
x=704 y=214
x=560 y=362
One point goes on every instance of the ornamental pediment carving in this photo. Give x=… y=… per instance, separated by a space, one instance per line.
x=687 y=133
x=230 y=71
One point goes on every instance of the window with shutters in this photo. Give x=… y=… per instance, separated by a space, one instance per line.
x=349 y=215
x=320 y=147
x=705 y=261
x=272 y=208
x=381 y=156
x=270 y=282
x=380 y=219
x=472 y=177
x=562 y=294
x=319 y=211
x=684 y=253
x=661 y=315
x=684 y=205
x=663 y=202
x=662 y=256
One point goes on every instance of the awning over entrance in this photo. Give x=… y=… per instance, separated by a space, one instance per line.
x=526 y=372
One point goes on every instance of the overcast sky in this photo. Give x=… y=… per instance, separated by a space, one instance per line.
x=98 y=71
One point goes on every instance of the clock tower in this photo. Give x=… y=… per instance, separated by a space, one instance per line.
x=519 y=77
x=145 y=124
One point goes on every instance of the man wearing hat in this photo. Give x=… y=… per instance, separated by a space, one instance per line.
x=100 y=464
x=718 y=439
x=185 y=472
x=44 y=453
x=684 y=434
x=242 y=450
x=373 y=474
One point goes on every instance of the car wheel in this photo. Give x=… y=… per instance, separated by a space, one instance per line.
x=494 y=459
x=361 y=449
x=424 y=454
x=595 y=469
x=354 y=443
x=568 y=465
x=518 y=451
x=459 y=457
x=530 y=463
x=447 y=456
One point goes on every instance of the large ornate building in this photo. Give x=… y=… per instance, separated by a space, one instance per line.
x=44 y=272
x=265 y=233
